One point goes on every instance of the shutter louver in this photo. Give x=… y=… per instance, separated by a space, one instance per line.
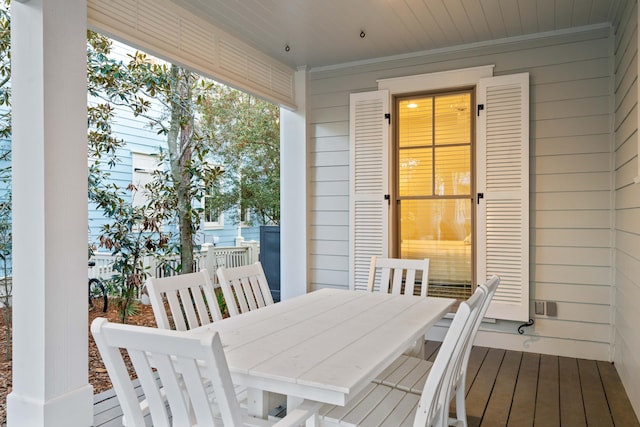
x=503 y=178
x=163 y=28
x=369 y=132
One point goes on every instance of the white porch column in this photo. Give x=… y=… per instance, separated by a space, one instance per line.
x=50 y=381
x=293 y=193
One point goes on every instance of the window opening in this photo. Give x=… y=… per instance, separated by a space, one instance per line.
x=434 y=187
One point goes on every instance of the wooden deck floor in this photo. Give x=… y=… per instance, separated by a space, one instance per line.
x=510 y=388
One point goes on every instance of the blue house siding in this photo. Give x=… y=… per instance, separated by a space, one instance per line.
x=140 y=138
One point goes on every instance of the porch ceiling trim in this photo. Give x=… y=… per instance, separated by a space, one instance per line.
x=167 y=31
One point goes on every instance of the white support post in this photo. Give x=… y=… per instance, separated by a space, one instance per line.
x=208 y=250
x=293 y=193
x=49 y=118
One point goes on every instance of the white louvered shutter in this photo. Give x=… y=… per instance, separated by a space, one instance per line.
x=503 y=179
x=369 y=178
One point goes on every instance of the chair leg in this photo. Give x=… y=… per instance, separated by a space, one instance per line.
x=417 y=349
x=461 y=410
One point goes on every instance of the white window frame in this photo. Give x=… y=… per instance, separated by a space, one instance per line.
x=247 y=217
x=509 y=307
x=146 y=163
x=212 y=225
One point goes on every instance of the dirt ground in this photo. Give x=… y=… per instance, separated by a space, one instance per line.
x=98 y=376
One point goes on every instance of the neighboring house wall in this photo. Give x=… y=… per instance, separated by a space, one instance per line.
x=570 y=186
x=627 y=205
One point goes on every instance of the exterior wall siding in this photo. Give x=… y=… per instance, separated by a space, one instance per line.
x=571 y=181
x=627 y=204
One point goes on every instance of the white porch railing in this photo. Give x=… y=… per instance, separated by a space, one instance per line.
x=209 y=257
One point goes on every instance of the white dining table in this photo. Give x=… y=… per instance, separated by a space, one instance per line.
x=326 y=345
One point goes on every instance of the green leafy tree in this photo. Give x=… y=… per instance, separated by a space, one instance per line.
x=245 y=137
x=136 y=230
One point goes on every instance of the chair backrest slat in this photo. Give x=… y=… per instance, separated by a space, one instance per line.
x=245 y=288
x=191 y=298
x=399 y=275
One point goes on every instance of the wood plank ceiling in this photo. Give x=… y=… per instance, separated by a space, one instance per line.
x=321 y=33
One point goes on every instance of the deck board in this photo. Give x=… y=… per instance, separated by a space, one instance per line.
x=572 y=408
x=510 y=388
x=523 y=402
x=497 y=413
x=480 y=390
x=548 y=397
x=595 y=401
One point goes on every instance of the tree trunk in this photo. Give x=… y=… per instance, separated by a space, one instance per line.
x=180 y=151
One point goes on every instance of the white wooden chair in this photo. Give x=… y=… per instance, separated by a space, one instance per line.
x=409 y=373
x=382 y=405
x=192 y=302
x=187 y=368
x=244 y=288
x=398 y=275
x=191 y=299
x=460 y=379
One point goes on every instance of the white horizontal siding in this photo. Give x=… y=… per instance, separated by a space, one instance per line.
x=593 y=162
x=571 y=179
x=330 y=158
x=577 y=293
x=594 y=257
x=328 y=275
x=535 y=343
x=329 y=188
x=626 y=198
x=330 y=247
x=628 y=316
x=329 y=173
x=572 y=126
x=329 y=232
x=596 y=181
x=598 y=238
x=558 y=91
x=576 y=105
x=625 y=154
x=578 y=201
x=331 y=143
x=568 y=219
x=332 y=204
x=334 y=262
x=576 y=274
x=571 y=145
